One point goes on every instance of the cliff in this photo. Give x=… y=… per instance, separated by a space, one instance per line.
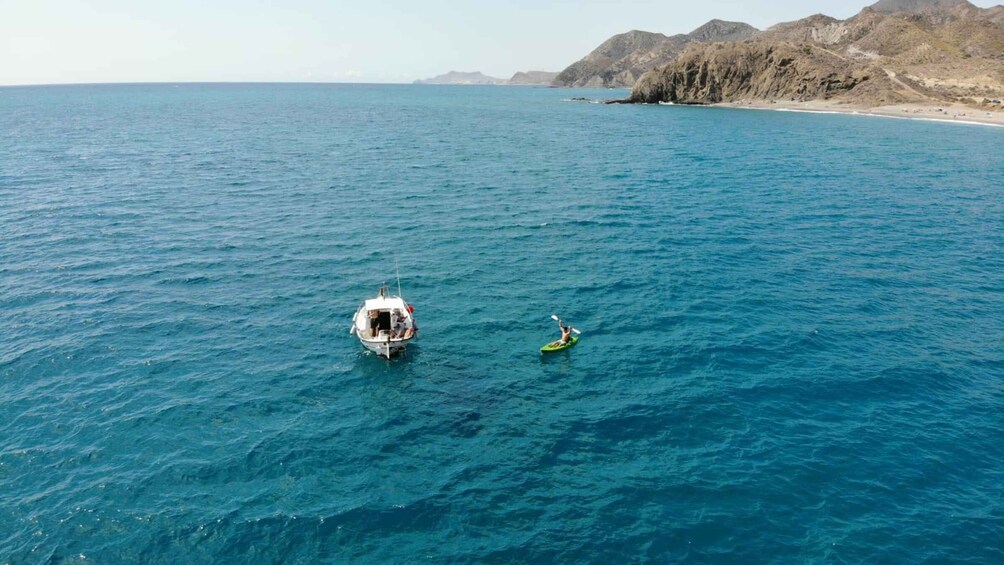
x=759 y=70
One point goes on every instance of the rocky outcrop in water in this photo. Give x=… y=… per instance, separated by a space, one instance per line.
x=755 y=70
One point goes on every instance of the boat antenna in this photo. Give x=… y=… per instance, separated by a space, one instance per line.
x=397 y=269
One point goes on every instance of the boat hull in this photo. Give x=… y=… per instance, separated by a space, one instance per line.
x=385 y=348
x=555 y=346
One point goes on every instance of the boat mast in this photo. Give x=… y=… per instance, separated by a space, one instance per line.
x=397 y=269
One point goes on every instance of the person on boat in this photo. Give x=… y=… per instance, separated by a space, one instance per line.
x=398 y=331
x=566 y=334
x=400 y=327
x=396 y=323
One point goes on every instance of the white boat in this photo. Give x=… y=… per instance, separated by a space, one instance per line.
x=385 y=324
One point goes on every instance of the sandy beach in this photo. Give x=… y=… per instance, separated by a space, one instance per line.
x=954 y=113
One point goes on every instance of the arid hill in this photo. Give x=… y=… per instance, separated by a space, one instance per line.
x=622 y=59
x=926 y=51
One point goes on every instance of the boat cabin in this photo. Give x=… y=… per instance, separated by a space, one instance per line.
x=384 y=318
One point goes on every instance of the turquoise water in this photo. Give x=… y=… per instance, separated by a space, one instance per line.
x=793 y=343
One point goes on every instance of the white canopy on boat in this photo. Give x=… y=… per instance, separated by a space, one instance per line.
x=386 y=303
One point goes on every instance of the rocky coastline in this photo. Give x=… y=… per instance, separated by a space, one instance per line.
x=923 y=52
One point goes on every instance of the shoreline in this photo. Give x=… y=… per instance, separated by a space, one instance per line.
x=949 y=113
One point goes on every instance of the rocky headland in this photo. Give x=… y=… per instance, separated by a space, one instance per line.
x=757 y=70
x=936 y=52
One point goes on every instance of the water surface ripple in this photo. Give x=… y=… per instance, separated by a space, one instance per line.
x=793 y=347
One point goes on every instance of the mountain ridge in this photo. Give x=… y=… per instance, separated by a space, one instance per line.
x=462 y=77
x=916 y=6
x=523 y=78
x=621 y=60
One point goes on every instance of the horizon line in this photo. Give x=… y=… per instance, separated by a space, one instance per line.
x=179 y=82
x=235 y=82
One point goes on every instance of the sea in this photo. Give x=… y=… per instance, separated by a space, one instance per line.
x=792 y=329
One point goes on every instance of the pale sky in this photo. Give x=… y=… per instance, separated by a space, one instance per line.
x=78 y=41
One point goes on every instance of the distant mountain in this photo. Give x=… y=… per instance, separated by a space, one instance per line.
x=533 y=78
x=456 y=77
x=528 y=78
x=622 y=59
x=927 y=51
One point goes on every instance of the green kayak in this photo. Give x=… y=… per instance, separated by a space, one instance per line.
x=557 y=346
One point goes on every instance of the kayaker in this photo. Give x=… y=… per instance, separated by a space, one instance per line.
x=566 y=333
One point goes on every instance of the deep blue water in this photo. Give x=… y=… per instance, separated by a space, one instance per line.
x=793 y=345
